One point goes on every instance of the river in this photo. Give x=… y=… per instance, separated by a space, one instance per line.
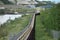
x=5 y=17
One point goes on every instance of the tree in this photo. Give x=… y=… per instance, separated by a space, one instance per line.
x=6 y=2
x=16 y=2
x=58 y=6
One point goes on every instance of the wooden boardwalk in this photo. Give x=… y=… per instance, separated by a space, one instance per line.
x=24 y=34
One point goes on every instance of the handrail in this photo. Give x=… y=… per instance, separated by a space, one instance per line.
x=23 y=35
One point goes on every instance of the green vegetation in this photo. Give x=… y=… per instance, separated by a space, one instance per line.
x=2 y=11
x=40 y=30
x=51 y=18
x=6 y=2
x=48 y=20
x=13 y=27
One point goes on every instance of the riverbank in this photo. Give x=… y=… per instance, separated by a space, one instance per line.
x=12 y=28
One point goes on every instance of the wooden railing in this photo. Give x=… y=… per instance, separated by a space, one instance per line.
x=24 y=34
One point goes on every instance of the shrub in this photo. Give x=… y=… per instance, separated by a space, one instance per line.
x=53 y=18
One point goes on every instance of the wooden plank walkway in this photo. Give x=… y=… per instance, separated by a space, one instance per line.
x=24 y=34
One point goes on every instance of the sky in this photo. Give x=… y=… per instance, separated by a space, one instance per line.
x=56 y=1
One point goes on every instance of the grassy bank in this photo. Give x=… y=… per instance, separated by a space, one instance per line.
x=40 y=30
x=13 y=27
